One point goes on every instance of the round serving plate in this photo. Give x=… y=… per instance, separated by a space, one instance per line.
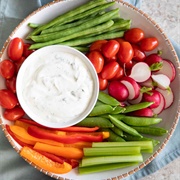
x=139 y=19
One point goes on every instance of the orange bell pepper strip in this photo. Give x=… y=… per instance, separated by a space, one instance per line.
x=19 y=131
x=19 y=141
x=66 y=152
x=44 y=162
x=68 y=139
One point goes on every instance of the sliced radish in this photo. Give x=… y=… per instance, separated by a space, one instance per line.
x=148 y=83
x=168 y=96
x=162 y=80
x=137 y=100
x=167 y=69
x=132 y=86
x=140 y=72
x=118 y=90
x=152 y=96
x=154 y=61
x=146 y=112
x=161 y=106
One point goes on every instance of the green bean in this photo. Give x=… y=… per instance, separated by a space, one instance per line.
x=129 y=137
x=157 y=131
x=117 y=131
x=33 y=25
x=98 y=28
x=135 y=107
x=81 y=48
x=107 y=99
x=96 y=121
x=101 y=109
x=60 y=27
x=141 y=121
x=112 y=136
x=124 y=127
x=72 y=13
x=85 y=26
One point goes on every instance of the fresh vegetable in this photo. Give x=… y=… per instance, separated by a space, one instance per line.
x=13 y=114
x=8 y=99
x=110 y=48
x=149 y=44
x=125 y=53
x=66 y=152
x=97 y=60
x=15 y=49
x=134 y=35
x=140 y=72
x=7 y=69
x=107 y=99
x=11 y=84
x=97 y=45
x=123 y=126
x=44 y=162
x=118 y=90
x=103 y=83
x=110 y=70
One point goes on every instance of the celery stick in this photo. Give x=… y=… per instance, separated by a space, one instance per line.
x=104 y=167
x=145 y=145
x=91 y=161
x=111 y=151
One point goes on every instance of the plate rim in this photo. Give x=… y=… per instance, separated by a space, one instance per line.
x=176 y=119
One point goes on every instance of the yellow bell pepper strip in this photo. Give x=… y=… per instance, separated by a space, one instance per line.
x=79 y=145
x=44 y=162
x=66 y=152
x=68 y=139
x=19 y=131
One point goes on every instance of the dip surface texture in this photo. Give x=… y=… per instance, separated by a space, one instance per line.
x=57 y=86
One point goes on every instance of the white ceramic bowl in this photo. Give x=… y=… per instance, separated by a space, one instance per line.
x=57 y=86
x=139 y=19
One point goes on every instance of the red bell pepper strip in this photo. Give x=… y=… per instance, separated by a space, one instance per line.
x=15 y=138
x=52 y=157
x=67 y=139
x=78 y=129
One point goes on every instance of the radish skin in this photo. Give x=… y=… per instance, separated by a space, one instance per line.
x=161 y=106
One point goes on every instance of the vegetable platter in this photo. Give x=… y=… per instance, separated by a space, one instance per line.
x=167 y=119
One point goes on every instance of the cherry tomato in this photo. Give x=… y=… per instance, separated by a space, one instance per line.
x=110 y=48
x=97 y=45
x=139 y=55
x=15 y=49
x=134 y=35
x=107 y=60
x=103 y=83
x=110 y=70
x=19 y=63
x=148 y=44
x=26 y=50
x=7 y=69
x=125 y=53
x=119 y=40
x=14 y=114
x=119 y=74
x=8 y=99
x=11 y=84
x=97 y=60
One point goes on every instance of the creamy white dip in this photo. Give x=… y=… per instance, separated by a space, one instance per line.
x=57 y=87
